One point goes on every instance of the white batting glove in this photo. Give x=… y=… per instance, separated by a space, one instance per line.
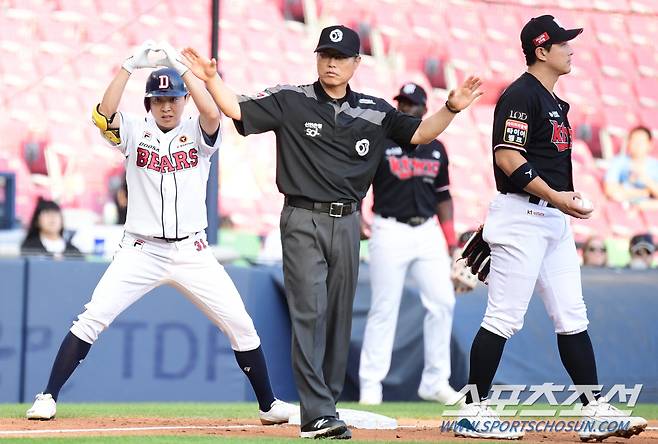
x=139 y=58
x=173 y=58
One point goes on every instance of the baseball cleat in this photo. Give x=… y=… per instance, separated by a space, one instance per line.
x=475 y=421
x=443 y=394
x=599 y=418
x=279 y=413
x=325 y=427
x=44 y=407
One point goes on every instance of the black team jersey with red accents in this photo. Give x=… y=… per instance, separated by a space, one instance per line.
x=411 y=181
x=531 y=120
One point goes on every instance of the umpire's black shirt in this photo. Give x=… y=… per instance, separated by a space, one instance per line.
x=327 y=149
x=411 y=180
x=531 y=120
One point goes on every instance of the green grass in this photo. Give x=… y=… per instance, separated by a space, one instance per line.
x=420 y=410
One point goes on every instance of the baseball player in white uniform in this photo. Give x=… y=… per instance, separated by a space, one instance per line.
x=529 y=234
x=410 y=187
x=167 y=165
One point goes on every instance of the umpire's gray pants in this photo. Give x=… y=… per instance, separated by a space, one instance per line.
x=320 y=268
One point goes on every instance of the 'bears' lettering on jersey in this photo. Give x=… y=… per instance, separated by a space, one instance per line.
x=406 y=168
x=561 y=136
x=182 y=160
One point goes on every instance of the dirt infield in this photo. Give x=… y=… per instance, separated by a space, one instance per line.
x=409 y=430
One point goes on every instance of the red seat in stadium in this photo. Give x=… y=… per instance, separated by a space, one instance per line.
x=617 y=65
x=646 y=89
x=624 y=221
x=610 y=29
x=646 y=59
x=616 y=92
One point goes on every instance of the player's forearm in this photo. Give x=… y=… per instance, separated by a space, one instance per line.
x=209 y=114
x=226 y=100
x=445 y=210
x=432 y=126
x=510 y=160
x=110 y=102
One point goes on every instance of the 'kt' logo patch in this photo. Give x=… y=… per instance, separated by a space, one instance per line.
x=561 y=136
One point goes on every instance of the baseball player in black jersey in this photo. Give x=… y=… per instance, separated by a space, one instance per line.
x=330 y=140
x=529 y=233
x=409 y=188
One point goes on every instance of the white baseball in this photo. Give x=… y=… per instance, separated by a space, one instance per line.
x=586 y=204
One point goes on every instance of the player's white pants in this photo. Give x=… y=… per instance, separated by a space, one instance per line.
x=530 y=244
x=395 y=248
x=142 y=263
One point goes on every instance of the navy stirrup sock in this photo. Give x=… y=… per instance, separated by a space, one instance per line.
x=253 y=365
x=72 y=351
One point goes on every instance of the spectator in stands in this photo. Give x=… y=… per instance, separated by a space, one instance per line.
x=595 y=253
x=633 y=176
x=642 y=250
x=45 y=235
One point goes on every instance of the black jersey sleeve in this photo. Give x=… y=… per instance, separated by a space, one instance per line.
x=513 y=120
x=261 y=112
x=399 y=126
x=442 y=180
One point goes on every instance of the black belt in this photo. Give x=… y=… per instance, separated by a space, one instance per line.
x=171 y=239
x=334 y=209
x=413 y=221
x=532 y=199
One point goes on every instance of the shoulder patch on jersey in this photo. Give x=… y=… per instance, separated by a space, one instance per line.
x=367 y=101
x=515 y=132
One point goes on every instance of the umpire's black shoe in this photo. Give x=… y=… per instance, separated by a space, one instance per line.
x=323 y=427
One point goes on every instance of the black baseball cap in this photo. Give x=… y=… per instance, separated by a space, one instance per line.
x=413 y=93
x=545 y=29
x=642 y=242
x=340 y=38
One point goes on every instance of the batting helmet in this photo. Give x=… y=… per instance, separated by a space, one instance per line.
x=165 y=82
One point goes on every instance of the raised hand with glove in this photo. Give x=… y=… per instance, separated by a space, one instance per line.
x=140 y=57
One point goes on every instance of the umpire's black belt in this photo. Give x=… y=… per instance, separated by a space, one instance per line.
x=334 y=209
x=533 y=199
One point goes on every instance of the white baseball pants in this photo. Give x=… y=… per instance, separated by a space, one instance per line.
x=395 y=248
x=531 y=243
x=143 y=263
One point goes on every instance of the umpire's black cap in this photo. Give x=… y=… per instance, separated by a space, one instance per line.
x=545 y=29
x=413 y=93
x=340 y=38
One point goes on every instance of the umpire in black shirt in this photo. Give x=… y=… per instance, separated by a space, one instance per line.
x=329 y=143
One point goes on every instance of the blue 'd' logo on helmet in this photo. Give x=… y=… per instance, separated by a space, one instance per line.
x=165 y=82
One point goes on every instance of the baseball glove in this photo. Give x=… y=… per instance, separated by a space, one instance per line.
x=462 y=278
x=477 y=255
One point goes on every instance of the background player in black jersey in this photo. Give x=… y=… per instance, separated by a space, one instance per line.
x=410 y=187
x=528 y=230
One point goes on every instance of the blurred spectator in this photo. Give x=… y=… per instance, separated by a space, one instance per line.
x=45 y=234
x=34 y=150
x=642 y=249
x=595 y=253
x=633 y=176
